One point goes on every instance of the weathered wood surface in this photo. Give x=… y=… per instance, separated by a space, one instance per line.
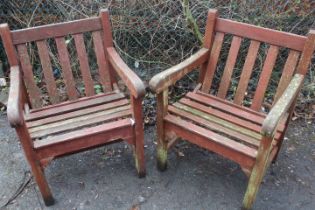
x=132 y=81
x=56 y=30
x=15 y=101
x=273 y=37
x=242 y=134
x=64 y=59
x=48 y=71
x=282 y=106
x=78 y=124
x=168 y=77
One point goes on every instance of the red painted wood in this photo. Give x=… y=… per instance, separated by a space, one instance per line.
x=79 y=122
x=80 y=112
x=93 y=136
x=84 y=64
x=212 y=63
x=66 y=68
x=226 y=147
x=48 y=71
x=264 y=78
x=229 y=66
x=72 y=107
x=56 y=30
x=28 y=76
x=213 y=126
x=246 y=72
x=273 y=37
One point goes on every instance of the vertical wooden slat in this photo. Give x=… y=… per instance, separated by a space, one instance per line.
x=264 y=77
x=8 y=44
x=246 y=72
x=212 y=63
x=47 y=69
x=66 y=67
x=102 y=63
x=84 y=64
x=229 y=66
x=28 y=76
x=208 y=38
x=287 y=73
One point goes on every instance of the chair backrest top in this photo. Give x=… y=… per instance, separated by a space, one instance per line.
x=62 y=61
x=56 y=30
x=261 y=34
x=266 y=50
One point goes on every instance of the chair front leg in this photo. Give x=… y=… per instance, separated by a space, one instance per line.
x=258 y=172
x=162 y=103
x=36 y=168
x=139 y=136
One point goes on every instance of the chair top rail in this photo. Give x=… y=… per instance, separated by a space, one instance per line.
x=56 y=30
x=270 y=36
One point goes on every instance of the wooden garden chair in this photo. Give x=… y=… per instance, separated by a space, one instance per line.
x=218 y=120
x=80 y=122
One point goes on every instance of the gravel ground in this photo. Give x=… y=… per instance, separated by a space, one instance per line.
x=105 y=178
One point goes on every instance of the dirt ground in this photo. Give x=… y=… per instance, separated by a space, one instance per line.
x=105 y=178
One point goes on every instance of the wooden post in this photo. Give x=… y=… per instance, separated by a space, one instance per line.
x=8 y=44
x=258 y=171
x=139 y=136
x=208 y=38
x=162 y=103
x=37 y=169
x=108 y=42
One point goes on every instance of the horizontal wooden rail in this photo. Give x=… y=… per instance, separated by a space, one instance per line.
x=56 y=30
x=270 y=36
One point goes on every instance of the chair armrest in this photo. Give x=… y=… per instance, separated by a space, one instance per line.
x=282 y=105
x=15 y=101
x=168 y=77
x=132 y=81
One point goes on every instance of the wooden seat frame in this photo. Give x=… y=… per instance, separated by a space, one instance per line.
x=172 y=126
x=23 y=102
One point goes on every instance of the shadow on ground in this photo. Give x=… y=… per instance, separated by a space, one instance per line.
x=105 y=178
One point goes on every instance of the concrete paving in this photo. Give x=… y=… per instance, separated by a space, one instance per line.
x=105 y=178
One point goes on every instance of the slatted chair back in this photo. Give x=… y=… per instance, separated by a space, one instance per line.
x=267 y=52
x=65 y=52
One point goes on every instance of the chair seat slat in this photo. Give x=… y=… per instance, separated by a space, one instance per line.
x=48 y=72
x=80 y=112
x=77 y=105
x=229 y=66
x=265 y=77
x=66 y=68
x=85 y=133
x=214 y=126
x=246 y=72
x=84 y=64
x=28 y=76
x=80 y=122
x=212 y=136
x=212 y=63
